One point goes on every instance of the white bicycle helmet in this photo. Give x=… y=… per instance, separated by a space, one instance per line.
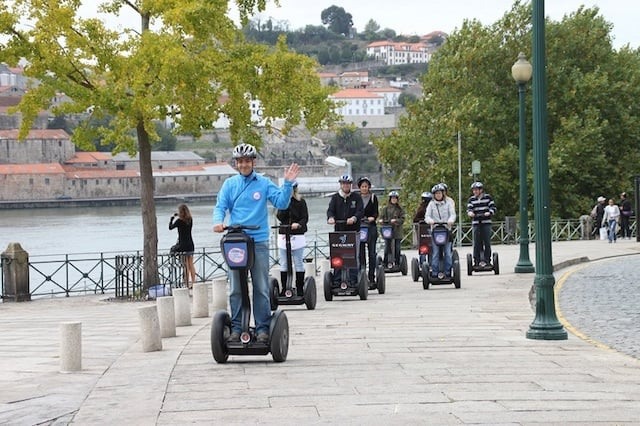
x=245 y=150
x=345 y=178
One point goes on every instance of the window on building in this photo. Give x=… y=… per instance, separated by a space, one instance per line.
x=30 y=181
x=46 y=181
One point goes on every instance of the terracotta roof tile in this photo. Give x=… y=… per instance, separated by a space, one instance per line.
x=36 y=134
x=29 y=169
x=355 y=93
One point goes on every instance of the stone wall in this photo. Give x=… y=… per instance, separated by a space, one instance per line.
x=31 y=187
x=34 y=151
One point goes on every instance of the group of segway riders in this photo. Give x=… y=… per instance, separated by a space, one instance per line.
x=355 y=265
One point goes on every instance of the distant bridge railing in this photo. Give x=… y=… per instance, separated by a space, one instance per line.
x=104 y=273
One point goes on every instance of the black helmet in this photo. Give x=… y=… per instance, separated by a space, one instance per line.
x=364 y=179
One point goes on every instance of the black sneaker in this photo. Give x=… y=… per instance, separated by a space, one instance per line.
x=262 y=338
x=234 y=337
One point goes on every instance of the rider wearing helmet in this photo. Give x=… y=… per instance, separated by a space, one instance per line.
x=426 y=198
x=245 y=196
x=345 y=205
x=370 y=204
x=480 y=209
x=440 y=210
x=393 y=214
x=346 y=208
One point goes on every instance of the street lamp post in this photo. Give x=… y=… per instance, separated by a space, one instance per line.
x=338 y=162
x=521 y=72
x=545 y=326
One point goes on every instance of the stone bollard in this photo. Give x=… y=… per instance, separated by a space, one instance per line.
x=15 y=271
x=183 y=306
x=219 y=294
x=200 y=300
x=325 y=266
x=70 y=347
x=309 y=269
x=166 y=316
x=149 y=328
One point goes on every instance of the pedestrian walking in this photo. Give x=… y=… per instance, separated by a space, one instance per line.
x=597 y=213
x=626 y=211
x=610 y=220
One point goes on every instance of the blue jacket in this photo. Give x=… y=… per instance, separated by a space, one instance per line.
x=245 y=198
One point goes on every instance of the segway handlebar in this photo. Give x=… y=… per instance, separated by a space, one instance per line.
x=238 y=227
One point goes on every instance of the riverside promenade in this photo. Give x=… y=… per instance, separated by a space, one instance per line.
x=411 y=356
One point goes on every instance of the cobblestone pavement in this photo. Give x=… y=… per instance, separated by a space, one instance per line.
x=601 y=301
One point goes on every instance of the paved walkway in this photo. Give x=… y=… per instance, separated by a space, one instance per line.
x=441 y=356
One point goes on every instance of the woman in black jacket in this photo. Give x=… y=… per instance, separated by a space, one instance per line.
x=185 y=247
x=371 y=208
x=296 y=216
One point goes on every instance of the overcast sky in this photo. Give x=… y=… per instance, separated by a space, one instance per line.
x=423 y=16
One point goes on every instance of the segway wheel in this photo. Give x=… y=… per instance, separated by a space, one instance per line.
x=425 y=278
x=363 y=285
x=381 y=280
x=496 y=263
x=279 y=344
x=275 y=292
x=328 y=279
x=415 y=270
x=403 y=264
x=220 y=329
x=456 y=269
x=310 y=294
x=469 y=264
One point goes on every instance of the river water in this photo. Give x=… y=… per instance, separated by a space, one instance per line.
x=118 y=229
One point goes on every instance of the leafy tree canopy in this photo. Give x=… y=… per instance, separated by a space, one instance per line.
x=188 y=60
x=337 y=19
x=593 y=113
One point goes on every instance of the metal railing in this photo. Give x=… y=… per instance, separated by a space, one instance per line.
x=121 y=273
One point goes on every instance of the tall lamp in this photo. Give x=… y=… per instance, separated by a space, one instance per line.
x=521 y=72
x=545 y=325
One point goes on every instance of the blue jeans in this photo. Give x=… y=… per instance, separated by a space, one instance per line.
x=435 y=259
x=296 y=255
x=260 y=284
x=612 y=229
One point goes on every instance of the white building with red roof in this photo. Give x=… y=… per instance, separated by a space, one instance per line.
x=397 y=53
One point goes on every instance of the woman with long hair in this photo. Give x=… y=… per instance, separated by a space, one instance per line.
x=185 y=247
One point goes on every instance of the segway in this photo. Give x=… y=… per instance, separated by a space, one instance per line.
x=380 y=280
x=343 y=254
x=422 y=233
x=289 y=295
x=473 y=265
x=483 y=267
x=441 y=236
x=390 y=266
x=238 y=250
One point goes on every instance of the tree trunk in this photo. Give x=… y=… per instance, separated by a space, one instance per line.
x=148 y=207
